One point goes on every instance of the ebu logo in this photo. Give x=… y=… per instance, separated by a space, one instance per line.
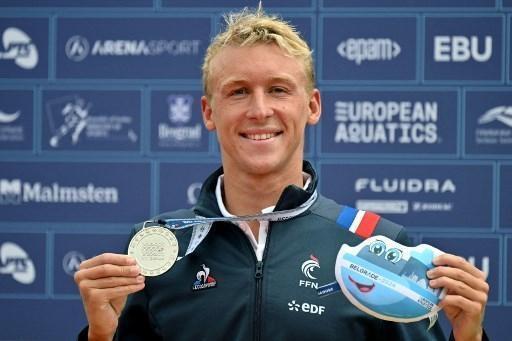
x=463 y=48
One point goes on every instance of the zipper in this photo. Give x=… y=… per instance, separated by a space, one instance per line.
x=258 y=277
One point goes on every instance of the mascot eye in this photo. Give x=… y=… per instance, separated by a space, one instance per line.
x=393 y=255
x=377 y=247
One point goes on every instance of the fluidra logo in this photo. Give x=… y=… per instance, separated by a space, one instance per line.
x=18 y=46
x=360 y=50
x=16 y=192
x=15 y=261
x=78 y=48
x=404 y=122
x=485 y=135
x=178 y=133
x=404 y=185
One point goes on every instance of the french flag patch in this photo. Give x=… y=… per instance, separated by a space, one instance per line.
x=360 y=222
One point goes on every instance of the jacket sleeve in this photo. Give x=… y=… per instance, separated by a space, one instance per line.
x=416 y=331
x=135 y=322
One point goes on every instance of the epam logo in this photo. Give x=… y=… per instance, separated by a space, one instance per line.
x=16 y=192
x=17 y=45
x=360 y=50
x=402 y=122
x=461 y=49
x=15 y=261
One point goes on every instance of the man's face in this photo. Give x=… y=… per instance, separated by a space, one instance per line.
x=259 y=107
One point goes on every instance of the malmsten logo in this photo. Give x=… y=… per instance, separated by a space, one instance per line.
x=204 y=280
x=16 y=191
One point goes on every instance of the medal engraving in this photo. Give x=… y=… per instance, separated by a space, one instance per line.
x=155 y=249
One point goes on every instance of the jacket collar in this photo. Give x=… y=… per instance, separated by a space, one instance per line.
x=291 y=197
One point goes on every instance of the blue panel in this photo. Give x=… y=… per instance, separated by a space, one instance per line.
x=463 y=48
x=74 y=192
x=41 y=319
x=24 y=52
x=71 y=249
x=389 y=122
x=76 y=3
x=22 y=263
x=369 y=48
x=176 y=194
x=91 y=120
x=415 y=195
x=508 y=270
x=235 y=3
x=489 y=122
x=505 y=197
x=16 y=119
x=156 y=48
x=482 y=251
x=176 y=122
x=509 y=42
x=507 y=3
x=409 y=3
x=304 y=27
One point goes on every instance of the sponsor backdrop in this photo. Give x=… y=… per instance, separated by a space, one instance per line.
x=100 y=128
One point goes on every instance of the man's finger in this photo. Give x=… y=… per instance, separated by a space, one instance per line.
x=107 y=258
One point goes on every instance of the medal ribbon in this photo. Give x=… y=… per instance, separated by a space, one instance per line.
x=201 y=225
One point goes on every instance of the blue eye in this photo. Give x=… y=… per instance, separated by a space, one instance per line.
x=377 y=247
x=393 y=255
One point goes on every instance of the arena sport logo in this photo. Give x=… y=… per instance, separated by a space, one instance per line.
x=17 y=192
x=18 y=46
x=360 y=50
x=16 y=262
x=78 y=48
x=71 y=262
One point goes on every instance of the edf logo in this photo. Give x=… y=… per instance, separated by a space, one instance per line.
x=461 y=49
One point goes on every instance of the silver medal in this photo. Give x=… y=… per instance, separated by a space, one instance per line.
x=155 y=248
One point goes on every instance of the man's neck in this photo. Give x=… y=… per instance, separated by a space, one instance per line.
x=249 y=194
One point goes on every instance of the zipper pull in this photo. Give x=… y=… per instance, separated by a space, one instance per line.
x=259 y=270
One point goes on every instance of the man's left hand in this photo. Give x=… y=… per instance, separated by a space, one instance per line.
x=466 y=294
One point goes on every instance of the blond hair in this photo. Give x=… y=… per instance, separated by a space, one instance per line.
x=251 y=27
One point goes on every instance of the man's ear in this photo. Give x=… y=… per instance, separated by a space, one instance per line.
x=315 y=107
x=207 y=114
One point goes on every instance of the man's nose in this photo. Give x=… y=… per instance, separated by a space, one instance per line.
x=260 y=107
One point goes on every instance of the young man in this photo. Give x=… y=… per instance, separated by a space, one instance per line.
x=244 y=280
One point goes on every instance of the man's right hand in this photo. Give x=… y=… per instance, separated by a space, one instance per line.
x=105 y=281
